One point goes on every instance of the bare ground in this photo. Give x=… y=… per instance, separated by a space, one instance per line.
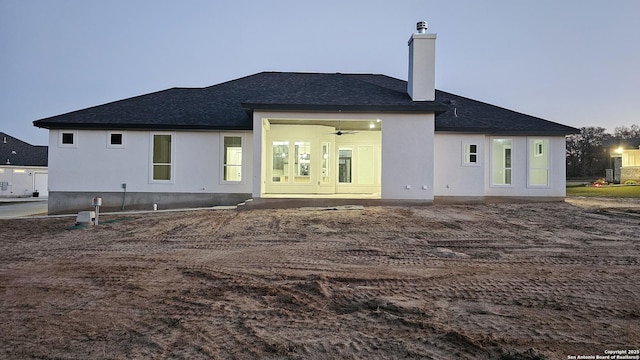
x=499 y=281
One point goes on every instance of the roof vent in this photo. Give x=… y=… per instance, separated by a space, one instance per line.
x=421 y=26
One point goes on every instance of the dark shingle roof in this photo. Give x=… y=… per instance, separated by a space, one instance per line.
x=25 y=154
x=228 y=106
x=468 y=115
x=344 y=92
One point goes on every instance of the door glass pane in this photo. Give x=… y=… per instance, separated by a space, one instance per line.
x=280 y=167
x=502 y=162
x=344 y=165
x=325 y=163
x=302 y=151
x=507 y=166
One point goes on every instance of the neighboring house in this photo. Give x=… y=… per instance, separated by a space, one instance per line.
x=625 y=160
x=328 y=137
x=23 y=168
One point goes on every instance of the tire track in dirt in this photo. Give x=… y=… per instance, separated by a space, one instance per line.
x=472 y=281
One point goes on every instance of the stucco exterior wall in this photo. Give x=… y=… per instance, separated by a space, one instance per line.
x=406 y=150
x=455 y=179
x=452 y=176
x=407 y=157
x=519 y=187
x=90 y=166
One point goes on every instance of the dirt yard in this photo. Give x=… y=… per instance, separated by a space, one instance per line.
x=497 y=281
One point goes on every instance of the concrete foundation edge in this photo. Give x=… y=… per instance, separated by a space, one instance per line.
x=73 y=202
x=494 y=199
x=62 y=202
x=261 y=203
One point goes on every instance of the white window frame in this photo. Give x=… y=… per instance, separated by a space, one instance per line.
x=492 y=163
x=534 y=142
x=223 y=154
x=172 y=163
x=74 y=133
x=466 y=155
x=351 y=165
x=286 y=175
x=117 y=146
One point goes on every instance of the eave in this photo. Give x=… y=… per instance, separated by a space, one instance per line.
x=124 y=126
x=507 y=132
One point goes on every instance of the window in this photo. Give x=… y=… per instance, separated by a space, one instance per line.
x=344 y=165
x=280 y=165
x=538 y=148
x=115 y=139
x=302 y=150
x=232 y=158
x=161 y=153
x=538 y=162
x=67 y=139
x=502 y=162
x=470 y=155
x=325 y=163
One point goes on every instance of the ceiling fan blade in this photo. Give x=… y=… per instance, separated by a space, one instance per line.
x=345 y=132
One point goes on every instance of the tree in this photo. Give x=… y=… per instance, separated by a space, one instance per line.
x=623 y=132
x=585 y=154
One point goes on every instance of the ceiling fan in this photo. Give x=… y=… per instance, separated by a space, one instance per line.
x=341 y=132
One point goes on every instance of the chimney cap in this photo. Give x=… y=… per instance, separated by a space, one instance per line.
x=422 y=26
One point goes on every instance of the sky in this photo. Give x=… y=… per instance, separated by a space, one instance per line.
x=575 y=62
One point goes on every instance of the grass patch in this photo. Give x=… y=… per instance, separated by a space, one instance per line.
x=622 y=191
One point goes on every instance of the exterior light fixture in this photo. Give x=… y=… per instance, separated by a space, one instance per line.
x=619 y=150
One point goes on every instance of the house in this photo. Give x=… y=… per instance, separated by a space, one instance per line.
x=630 y=167
x=625 y=160
x=23 y=168
x=319 y=137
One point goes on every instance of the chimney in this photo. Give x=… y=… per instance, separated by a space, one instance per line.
x=422 y=60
